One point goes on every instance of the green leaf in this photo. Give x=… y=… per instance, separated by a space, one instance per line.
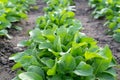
x=16 y=66
x=27 y=61
x=36 y=69
x=24 y=43
x=54 y=53
x=3 y=32
x=111 y=71
x=48 y=62
x=52 y=71
x=16 y=78
x=36 y=35
x=45 y=45
x=55 y=77
x=76 y=49
x=105 y=76
x=83 y=69
x=4 y=23
x=90 y=55
x=67 y=62
x=18 y=28
x=12 y=18
x=116 y=36
x=30 y=76
x=57 y=44
x=102 y=64
x=49 y=34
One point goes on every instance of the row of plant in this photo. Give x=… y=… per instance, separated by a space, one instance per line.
x=110 y=9
x=12 y=11
x=57 y=50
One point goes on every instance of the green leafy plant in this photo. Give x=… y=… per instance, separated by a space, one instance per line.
x=12 y=11
x=59 y=4
x=57 y=50
x=109 y=9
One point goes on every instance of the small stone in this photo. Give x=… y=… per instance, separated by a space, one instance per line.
x=3 y=60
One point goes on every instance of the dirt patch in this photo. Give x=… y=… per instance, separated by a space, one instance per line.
x=95 y=28
x=8 y=47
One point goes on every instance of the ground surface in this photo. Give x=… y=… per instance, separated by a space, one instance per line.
x=92 y=28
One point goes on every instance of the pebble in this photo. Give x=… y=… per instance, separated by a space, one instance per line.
x=118 y=49
x=3 y=60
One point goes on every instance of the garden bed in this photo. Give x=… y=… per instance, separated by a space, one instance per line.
x=92 y=28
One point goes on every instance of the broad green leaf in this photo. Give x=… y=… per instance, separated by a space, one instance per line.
x=54 y=53
x=112 y=25
x=111 y=71
x=49 y=34
x=57 y=44
x=16 y=66
x=45 y=45
x=48 y=62
x=30 y=76
x=116 y=36
x=3 y=32
x=16 y=78
x=109 y=1
x=12 y=18
x=4 y=23
x=17 y=57
x=55 y=77
x=76 y=49
x=52 y=71
x=90 y=55
x=3 y=1
x=67 y=62
x=83 y=69
x=105 y=76
x=102 y=64
x=24 y=43
x=92 y=77
x=36 y=35
x=27 y=61
x=90 y=41
x=62 y=31
x=37 y=69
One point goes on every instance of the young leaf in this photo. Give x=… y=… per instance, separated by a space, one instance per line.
x=30 y=76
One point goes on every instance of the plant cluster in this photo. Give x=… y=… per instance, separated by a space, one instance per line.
x=12 y=11
x=57 y=50
x=110 y=9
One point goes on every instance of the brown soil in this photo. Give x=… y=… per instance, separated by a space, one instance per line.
x=92 y=28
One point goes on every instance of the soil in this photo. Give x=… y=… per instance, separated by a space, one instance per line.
x=92 y=28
